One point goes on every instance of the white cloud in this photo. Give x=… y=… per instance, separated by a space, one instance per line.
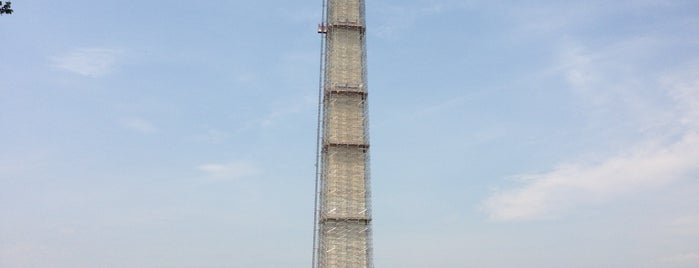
x=246 y=78
x=229 y=171
x=691 y=258
x=399 y=18
x=13 y=164
x=284 y=109
x=685 y=226
x=93 y=62
x=26 y=255
x=645 y=167
x=685 y=92
x=666 y=155
x=213 y=136
x=138 y=124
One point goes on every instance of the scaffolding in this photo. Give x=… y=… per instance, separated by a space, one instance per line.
x=342 y=227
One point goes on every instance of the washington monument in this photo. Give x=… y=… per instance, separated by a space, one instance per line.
x=342 y=237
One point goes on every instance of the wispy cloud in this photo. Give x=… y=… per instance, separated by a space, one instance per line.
x=668 y=154
x=685 y=225
x=24 y=254
x=398 y=18
x=544 y=195
x=92 y=62
x=283 y=110
x=690 y=259
x=15 y=164
x=138 y=124
x=212 y=136
x=229 y=171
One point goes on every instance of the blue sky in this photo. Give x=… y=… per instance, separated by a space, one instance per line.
x=181 y=134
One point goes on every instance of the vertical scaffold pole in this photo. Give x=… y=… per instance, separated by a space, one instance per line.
x=321 y=30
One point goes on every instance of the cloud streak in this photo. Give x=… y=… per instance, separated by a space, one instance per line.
x=139 y=125
x=399 y=18
x=646 y=167
x=229 y=171
x=691 y=258
x=685 y=225
x=668 y=155
x=90 y=62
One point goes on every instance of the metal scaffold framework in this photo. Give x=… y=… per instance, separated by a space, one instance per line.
x=342 y=224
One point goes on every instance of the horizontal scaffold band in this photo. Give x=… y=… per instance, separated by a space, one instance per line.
x=345 y=92
x=344 y=219
x=347 y=25
x=352 y=145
